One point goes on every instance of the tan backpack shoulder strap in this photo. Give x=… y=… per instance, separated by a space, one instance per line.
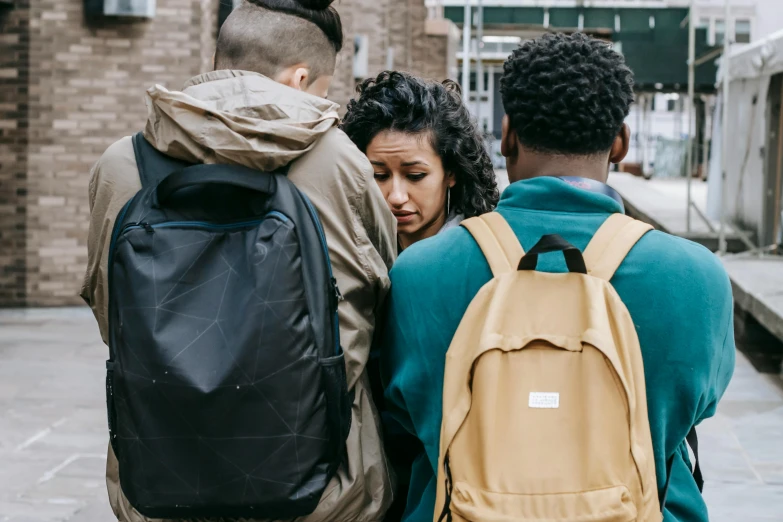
x=497 y=241
x=611 y=244
x=507 y=238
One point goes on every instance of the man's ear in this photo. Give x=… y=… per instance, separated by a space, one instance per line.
x=621 y=144
x=301 y=79
x=296 y=76
x=509 y=145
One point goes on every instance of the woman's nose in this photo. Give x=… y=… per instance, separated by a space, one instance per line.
x=399 y=194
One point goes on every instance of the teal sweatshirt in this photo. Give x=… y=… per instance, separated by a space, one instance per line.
x=676 y=291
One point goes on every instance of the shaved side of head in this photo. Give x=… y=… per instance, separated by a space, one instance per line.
x=262 y=40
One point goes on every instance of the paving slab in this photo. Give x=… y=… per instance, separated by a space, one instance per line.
x=741 y=449
x=53 y=435
x=757 y=283
x=663 y=203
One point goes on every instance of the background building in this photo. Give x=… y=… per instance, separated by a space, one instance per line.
x=72 y=81
x=653 y=36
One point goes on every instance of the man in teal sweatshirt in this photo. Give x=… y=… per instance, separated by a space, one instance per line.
x=566 y=99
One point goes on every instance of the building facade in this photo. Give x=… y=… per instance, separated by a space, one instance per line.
x=72 y=83
x=637 y=28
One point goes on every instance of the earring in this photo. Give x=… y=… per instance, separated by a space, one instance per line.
x=448 y=202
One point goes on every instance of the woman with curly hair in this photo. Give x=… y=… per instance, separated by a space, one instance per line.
x=429 y=158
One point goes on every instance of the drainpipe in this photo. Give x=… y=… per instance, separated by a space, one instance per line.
x=479 y=63
x=724 y=130
x=691 y=88
x=466 y=53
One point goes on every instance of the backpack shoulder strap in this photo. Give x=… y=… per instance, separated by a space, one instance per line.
x=497 y=241
x=611 y=244
x=153 y=165
x=693 y=441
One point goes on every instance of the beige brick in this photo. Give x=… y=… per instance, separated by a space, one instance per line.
x=54 y=15
x=51 y=201
x=64 y=124
x=80 y=49
x=79 y=82
x=9 y=39
x=118 y=43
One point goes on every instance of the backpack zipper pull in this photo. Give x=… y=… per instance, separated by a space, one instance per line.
x=336 y=289
x=147 y=227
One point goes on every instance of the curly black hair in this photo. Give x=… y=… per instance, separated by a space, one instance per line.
x=400 y=102
x=566 y=94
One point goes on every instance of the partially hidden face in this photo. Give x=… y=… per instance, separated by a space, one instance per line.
x=320 y=87
x=413 y=181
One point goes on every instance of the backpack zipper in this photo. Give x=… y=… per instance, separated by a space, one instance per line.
x=200 y=224
x=338 y=296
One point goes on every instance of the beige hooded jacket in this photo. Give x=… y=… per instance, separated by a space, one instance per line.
x=245 y=118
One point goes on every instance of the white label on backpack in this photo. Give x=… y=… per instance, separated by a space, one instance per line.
x=548 y=401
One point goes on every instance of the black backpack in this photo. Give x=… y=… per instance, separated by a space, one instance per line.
x=226 y=384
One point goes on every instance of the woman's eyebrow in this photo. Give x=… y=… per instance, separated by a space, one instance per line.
x=379 y=163
x=412 y=163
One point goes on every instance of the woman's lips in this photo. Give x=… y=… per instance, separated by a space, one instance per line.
x=404 y=217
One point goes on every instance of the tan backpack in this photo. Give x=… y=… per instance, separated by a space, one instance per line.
x=544 y=402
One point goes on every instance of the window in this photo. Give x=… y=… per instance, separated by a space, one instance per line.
x=742 y=31
x=139 y=8
x=673 y=102
x=473 y=81
x=720 y=31
x=704 y=23
x=361 y=56
x=503 y=44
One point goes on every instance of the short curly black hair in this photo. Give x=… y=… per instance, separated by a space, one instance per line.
x=400 y=102
x=566 y=94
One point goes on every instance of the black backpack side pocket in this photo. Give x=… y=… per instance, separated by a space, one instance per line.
x=339 y=404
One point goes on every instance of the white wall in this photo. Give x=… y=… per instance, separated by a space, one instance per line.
x=769 y=17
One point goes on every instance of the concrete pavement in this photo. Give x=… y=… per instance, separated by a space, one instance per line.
x=53 y=433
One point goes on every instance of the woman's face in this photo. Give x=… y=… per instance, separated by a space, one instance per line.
x=411 y=177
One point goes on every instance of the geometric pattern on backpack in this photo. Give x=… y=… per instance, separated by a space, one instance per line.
x=226 y=388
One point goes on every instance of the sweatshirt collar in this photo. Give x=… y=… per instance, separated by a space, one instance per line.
x=549 y=194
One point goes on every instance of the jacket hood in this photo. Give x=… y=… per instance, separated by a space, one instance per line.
x=236 y=117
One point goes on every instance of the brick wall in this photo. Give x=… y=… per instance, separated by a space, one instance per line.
x=342 y=87
x=400 y=25
x=85 y=83
x=439 y=59
x=14 y=71
x=69 y=88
